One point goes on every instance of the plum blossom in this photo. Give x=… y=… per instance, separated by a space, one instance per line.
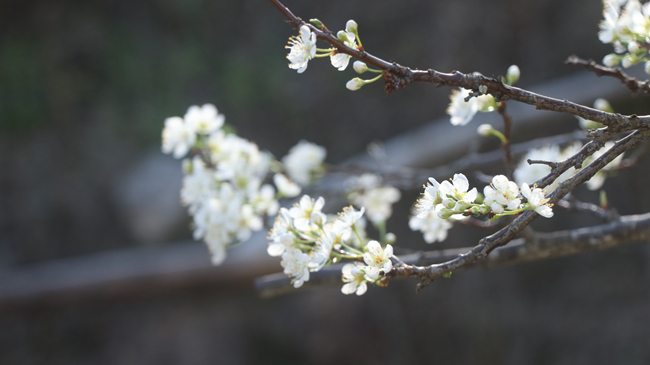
x=177 y=137
x=303 y=161
x=353 y=277
x=457 y=189
x=307 y=212
x=295 y=264
x=377 y=259
x=204 y=119
x=302 y=49
x=367 y=191
x=537 y=200
x=430 y=198
x=502 y=192
x=286 y=187
x=341 y=60
x=462 y=111
x=432 y=226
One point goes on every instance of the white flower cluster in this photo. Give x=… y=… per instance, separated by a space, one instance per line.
x=223 y=185
x=307 y=242
x=302 y=49
x=626 y=25
x=453 y=200
x=367 y=191
x=526 y=173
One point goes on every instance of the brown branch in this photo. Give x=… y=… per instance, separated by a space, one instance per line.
x=573 y=204
x=629 y=229
x=407 y=178
x=507 y=124
x=630 y=82
x=507 y=234
x=397 y=77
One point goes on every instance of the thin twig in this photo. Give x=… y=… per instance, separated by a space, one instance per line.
x=630 y=82
x=573 y=204
x=507 y=124
x=550 y=164
x=629 y=229
x=397 y=77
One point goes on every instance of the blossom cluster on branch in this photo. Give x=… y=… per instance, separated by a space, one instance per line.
x=230 y=186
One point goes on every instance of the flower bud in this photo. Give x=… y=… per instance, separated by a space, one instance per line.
x=445 y=213
x=513 y=74
x=611 y=60
x=390 y=238
x=342 y=36
x=647 y=67
x=360 y=67
x=351 y=26
x=484 y=130
x=475 y=210
x=633 y=47
x=483 y=89
x=626 y=62
x=316 y=22
x=355 y=84
x=602 y=104
x=484 y=209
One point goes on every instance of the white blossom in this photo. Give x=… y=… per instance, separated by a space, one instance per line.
x=204 y=119
x=377 y=259
x=295 y=264
x=303 y=160
x=177 y=137
x=432 y=226
x=304 y=212
x=353 y=277
x=430 y=198
x=340 y=60
x=302 y=49
x=367 y=191
x=458 y=190
x=462 y=111
x=537 y=200
x=349 y=216
x=286 y=187
x=502 y=192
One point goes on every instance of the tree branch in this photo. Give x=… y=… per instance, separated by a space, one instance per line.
x=397 y=76
x=629 y=229
x=630 y=82
x=505 y=235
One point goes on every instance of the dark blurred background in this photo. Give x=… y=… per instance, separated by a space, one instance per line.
x=85 y=87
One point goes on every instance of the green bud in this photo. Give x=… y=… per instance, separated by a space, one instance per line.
x=603 y=200
x=484 y=209
x=316 y=22
x=351 y=26
x=342 y=36
x=604 y=105
x=445 y=213
x=512 y=75
x=360 y=67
